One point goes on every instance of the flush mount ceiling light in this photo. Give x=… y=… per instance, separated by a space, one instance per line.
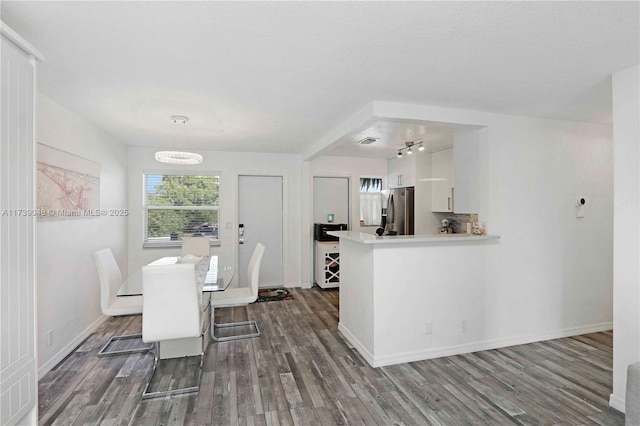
x=409 y=149
x=179 y=157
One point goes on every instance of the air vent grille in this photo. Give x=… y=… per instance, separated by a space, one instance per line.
x=367 y=141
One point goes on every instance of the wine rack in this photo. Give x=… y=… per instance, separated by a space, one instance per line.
x=327 y=265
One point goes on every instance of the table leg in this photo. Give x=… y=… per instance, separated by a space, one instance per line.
x=211 y=326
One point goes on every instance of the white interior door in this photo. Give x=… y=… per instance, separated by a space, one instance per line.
x=331 y=196
x=260 y=211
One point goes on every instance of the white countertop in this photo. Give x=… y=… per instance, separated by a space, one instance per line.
x=360 y=237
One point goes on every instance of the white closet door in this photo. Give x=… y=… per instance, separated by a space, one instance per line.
x=331 y=196
x=18 y=379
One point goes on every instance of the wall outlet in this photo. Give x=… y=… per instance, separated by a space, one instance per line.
x=464 y=325
x=428 y=328
x=50 y=338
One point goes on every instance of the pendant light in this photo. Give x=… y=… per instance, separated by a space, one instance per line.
x=179 y=157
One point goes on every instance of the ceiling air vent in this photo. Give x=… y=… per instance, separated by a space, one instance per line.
x=367 y=141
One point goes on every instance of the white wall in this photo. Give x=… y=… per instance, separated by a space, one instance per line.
x=230 y=165
x=350 y=167
x=626 y=272
x=549 y=271
x=68 y=296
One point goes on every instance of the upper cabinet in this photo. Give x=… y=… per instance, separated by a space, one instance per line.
x=445 y=175
x=466 y=171
x=454 y=175
x=442 y=178
x=402 y=171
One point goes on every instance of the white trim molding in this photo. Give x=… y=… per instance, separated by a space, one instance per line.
x=617 y=403
x=70 y=347
x=17 y=39
x=484 y=345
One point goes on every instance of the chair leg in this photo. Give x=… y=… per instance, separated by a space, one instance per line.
x=250 y=335
x=171 y=392
x=105 y=352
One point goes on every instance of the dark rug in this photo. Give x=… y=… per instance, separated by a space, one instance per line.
x=271 y=294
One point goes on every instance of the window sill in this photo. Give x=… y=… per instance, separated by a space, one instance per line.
x=169 y=244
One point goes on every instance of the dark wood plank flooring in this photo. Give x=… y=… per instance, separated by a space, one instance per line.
x=301 y=372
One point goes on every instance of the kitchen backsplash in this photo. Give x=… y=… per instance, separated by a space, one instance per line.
x=457 y=221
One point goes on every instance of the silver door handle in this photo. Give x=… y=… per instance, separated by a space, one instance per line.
x=451 y=208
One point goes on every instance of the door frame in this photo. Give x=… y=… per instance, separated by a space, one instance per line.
x=349 y=178
x=285 y=217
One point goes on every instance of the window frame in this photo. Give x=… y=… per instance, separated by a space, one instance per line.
x=360 y=193
x=146 y=243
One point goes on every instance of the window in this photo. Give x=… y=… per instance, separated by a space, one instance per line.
x=370 y=201
x=176 y=206
x=371 y=185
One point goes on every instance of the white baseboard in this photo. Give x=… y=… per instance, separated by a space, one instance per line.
x=616 y=402
x=356 y=343
x=484 y=345
x=69 y=347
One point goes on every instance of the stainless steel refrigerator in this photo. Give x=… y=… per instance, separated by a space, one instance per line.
x=400 y=211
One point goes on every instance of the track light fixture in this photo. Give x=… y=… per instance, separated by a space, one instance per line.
x=408 y=146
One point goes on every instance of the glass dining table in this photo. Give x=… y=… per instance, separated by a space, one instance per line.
x=211 y=275
x=209 y=272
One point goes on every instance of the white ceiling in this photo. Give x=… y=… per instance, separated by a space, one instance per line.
x=278 y=76
x=391 y=136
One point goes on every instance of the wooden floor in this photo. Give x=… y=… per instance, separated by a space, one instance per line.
x=300 y=371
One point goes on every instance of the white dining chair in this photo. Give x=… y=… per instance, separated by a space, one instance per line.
x=197 y=246
x=170 y=310
x=238 y=297
x=110 y=281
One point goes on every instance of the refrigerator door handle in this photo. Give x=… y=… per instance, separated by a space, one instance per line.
x=390 y=210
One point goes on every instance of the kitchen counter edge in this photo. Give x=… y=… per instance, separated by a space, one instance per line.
x=360 y=237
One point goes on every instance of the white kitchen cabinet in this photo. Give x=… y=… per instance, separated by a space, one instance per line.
x=402 y=171
x=442 y=188
x=327 y=273
x=466 y=171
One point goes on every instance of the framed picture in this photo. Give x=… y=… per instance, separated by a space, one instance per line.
x=67 y=185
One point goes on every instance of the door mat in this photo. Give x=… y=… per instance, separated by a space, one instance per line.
x=271 y=294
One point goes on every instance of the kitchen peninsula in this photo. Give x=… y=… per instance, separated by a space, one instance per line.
x=412 y=297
